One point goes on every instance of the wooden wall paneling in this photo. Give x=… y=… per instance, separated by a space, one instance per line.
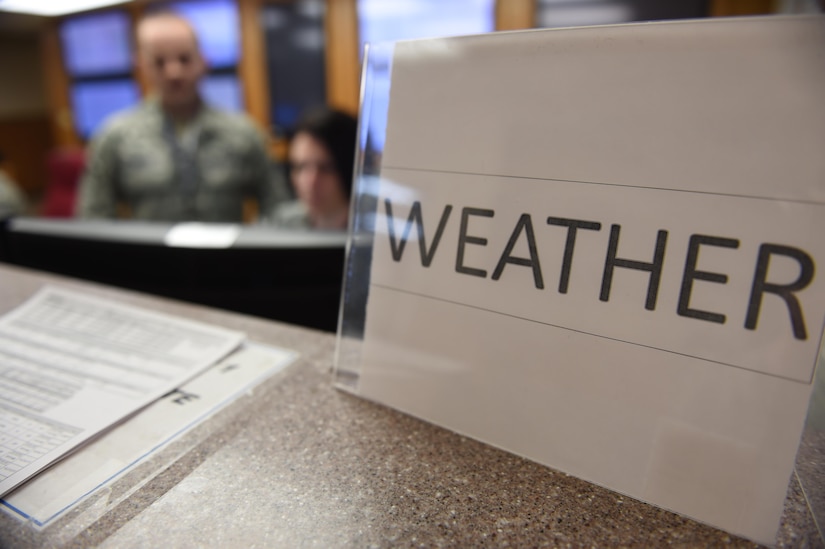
x=515 y=14
x=26 y=142
x=342 y=57
x=57 y=88
x=136 y=11
x=741 y=7
x=252 y=66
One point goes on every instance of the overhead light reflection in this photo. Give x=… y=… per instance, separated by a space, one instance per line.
x=54 y=7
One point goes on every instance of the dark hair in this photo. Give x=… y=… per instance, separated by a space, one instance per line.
x=337 y=131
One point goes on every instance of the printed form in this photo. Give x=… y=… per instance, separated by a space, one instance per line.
x=72 y=365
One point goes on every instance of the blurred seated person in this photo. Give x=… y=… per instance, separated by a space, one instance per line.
x=174 y=158
x=321 y=161
x=12 y=201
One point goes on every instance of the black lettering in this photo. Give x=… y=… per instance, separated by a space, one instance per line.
x=463 y=239
x=785 y=291
x=524 y=224
x=572 y=226
x=415 y=215
x=691 y=274
x=184 y=397
x=654 y=268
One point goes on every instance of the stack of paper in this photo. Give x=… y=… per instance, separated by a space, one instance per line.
x=72 y=366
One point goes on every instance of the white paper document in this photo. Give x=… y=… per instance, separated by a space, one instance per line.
x=73 y=365
x=54 y=491
x=202 y=235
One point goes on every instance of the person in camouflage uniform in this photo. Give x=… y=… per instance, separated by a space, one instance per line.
x=321 y=160
x=12 y=201
x=173 y=158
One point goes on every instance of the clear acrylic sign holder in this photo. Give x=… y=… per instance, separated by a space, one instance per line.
x=809 y=472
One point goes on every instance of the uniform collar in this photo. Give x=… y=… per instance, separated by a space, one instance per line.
x=204 y=118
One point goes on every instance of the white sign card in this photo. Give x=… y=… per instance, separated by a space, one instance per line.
x=597 y=248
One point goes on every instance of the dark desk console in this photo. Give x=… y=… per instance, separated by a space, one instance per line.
x=290 y=276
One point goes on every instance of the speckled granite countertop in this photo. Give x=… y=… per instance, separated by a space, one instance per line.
x=296 y=463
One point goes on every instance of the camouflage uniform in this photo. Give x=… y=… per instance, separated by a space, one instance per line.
x=201 y=174
x=11 y=199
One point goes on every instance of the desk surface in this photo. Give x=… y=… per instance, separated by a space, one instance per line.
x=296 y=463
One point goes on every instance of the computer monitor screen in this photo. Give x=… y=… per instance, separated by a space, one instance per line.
x=96 y=44
x=93 y=102
x=218 y=28
x=223 y=91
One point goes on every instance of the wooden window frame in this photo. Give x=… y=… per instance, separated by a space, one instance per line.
x=341 y=56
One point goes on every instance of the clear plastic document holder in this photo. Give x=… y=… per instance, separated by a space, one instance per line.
x=597 y=248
